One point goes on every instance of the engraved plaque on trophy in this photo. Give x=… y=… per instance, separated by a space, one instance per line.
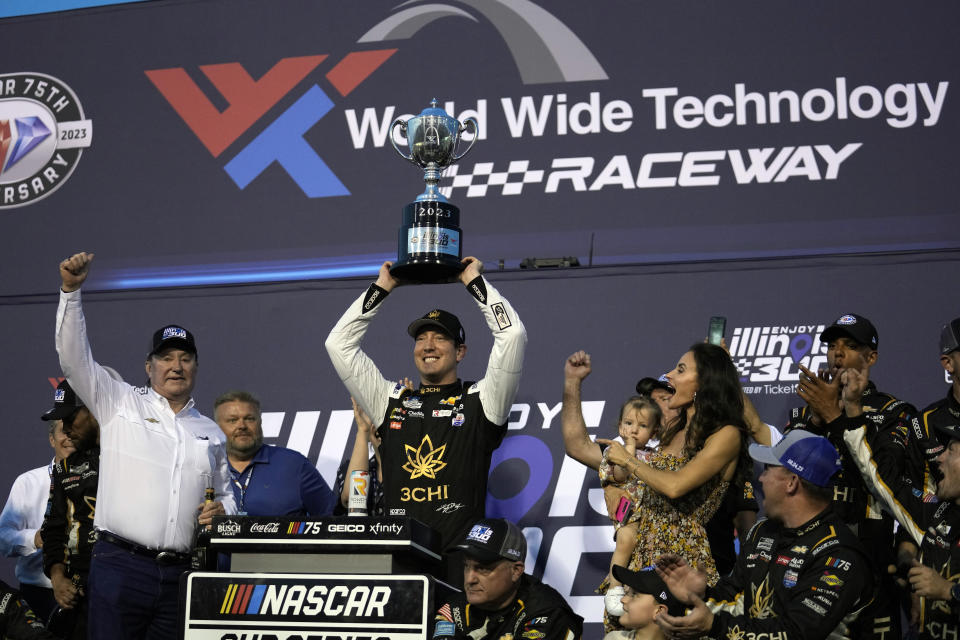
x=429 y=239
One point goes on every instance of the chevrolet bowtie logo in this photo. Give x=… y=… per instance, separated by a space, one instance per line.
x=424 y=460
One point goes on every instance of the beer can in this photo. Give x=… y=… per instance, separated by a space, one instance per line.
x=359 y=486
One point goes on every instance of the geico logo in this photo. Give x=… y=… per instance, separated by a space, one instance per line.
x=346 y=528
x=423 y=494
x=341 y=600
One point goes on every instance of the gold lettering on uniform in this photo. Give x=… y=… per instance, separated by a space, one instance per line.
x=423 y=494
x=735 y=633
x=840 y=494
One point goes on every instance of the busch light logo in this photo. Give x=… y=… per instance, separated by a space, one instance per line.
x=59 y=395
x=174 y=332
x=228 y=528
x=480 y=533
x=772 y=355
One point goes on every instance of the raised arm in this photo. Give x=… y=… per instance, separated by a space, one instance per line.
x=578 y=444
x=499 y=385
x=360 y=456
x=358 y=372
x=718 y=452
x=881 y=458
x=89 y=380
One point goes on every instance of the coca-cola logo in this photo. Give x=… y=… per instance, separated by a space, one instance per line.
x=265 y=527
x=228 y=528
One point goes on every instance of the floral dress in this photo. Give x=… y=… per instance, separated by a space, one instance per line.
x=666 y=525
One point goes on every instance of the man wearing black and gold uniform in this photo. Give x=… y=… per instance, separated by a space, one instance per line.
x=931 y=520
x=801 y=573
x=852 y=345
x=946 y=411
x=67 y=532
x=17 y=620
x=437 y=440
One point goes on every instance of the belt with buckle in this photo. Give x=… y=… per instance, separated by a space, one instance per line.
x=159 y=556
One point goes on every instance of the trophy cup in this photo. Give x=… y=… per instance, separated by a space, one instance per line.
x=429 y=239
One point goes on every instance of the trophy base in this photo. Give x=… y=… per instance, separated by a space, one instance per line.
x=428 y=243
x=426 y=271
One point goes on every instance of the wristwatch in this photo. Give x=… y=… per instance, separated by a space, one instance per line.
x=955 y=592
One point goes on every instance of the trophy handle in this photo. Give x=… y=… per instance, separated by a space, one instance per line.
x=476 y=134
x=403 y=130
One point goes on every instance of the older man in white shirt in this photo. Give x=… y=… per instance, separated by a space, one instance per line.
x=20 y=524
x=158 y=455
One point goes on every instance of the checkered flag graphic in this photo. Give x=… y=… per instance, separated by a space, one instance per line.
x=744 y=366
x=483 y=177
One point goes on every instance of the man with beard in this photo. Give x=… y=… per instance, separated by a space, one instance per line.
x=68 y=527
x=852 y=343
x=286 y=483
x=946 y=411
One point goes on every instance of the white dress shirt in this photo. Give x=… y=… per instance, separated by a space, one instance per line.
x=20 y=521
x=154 y=464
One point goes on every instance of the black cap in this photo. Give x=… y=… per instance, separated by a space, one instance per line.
x=647 y=581
x=172 y=336
x=494 y=539
x=852 y=326
x=951 y=431
x=65 y=403
x=645 y=386
x=950 y=337
x=442 y=320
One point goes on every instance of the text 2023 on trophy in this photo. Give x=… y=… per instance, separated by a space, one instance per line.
x=429 y=241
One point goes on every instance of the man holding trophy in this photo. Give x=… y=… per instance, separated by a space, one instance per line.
x=436 y=440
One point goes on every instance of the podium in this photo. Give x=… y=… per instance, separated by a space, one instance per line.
x=328 y=578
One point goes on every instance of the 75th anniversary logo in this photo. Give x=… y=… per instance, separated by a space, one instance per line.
x=43 y=132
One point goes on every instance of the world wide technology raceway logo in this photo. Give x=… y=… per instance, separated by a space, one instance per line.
x=544 y=50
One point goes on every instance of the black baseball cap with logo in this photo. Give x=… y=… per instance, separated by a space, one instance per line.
x=646 y=386
x=647 y=581
x=442 y=320
x=853 y=326
x=494 y=539
x=172 y=336
x=950 y=337
x=65 y=403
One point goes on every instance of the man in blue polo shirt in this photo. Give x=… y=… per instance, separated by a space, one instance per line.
x=267 y=480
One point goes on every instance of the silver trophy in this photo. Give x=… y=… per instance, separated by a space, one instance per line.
x=429 y=240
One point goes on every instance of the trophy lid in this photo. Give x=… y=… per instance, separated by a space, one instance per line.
x=434 y=110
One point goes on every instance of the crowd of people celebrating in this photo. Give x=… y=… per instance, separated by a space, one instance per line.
x=847 y=518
